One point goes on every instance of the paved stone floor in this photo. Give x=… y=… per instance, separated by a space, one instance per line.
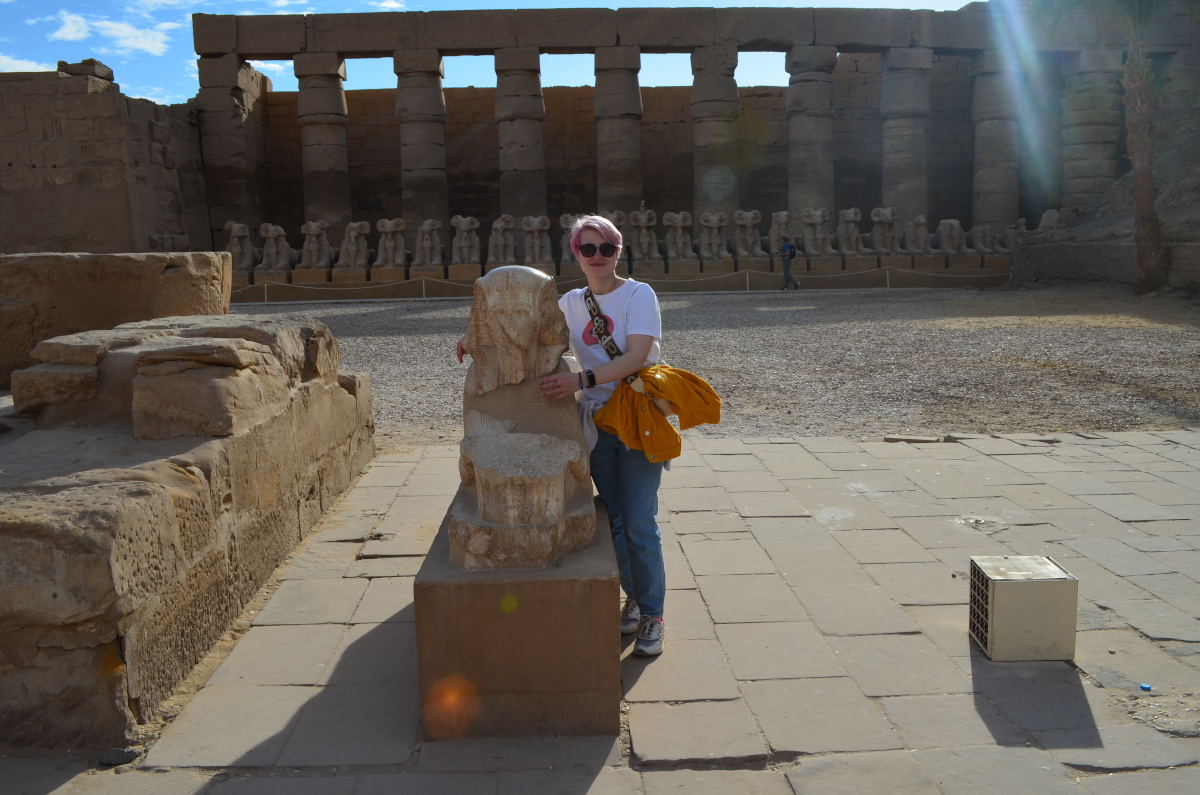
x=817 y=637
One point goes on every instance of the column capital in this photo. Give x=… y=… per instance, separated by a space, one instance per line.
x=1093 y=61
x=906 y=58
x=993 y=61
x=219 y=71
x=307 y=64
x=720 y=61
x=405 y=61
x=618 y=58
x=811 y=59
x=518 y=59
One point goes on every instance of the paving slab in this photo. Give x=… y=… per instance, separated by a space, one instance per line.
x=373 y=724
x=1158 y=543
x=686 y=616
x=894 y=772
x=429 y=486
x=734 y=463
x=371 y=568
x=426 y=783
x=828 y=444
x=844 y=610
x=798 y=468
x=498 y=754
x=815 y=716
x=694 y=522
x=1118 y=557
x=432 y=465
x=1164 y=492
x=143 y=782
x=313 y=602
x=851 y=462
x=1132 y=747
x=899 y=665
x=342 y=526
x=604 y=781
x=687 y=670
x=231 y=726
x=672 y=734
x=387 y=475
x=878 y=480
x=992 y=472
x=839 y=507
x=41 y=774
x=1130 y=507
x=992 y=446
x=373 y=654
x=1176 y=590
x=715 y=445
x=372 y=499
x=818 y=566
x=1040 y=496
x=950 y=721
x=279 y=655
x=1098 y=584
x=942 y=531
x=749 y=598
x=882 y=546
x=784 y=650
x=789 y=532
x=1087 y=522
x=945 y=625
x=272 y=784
x=698 y=477
x=996 y=771
x=959 y=558
x=320 y=560
x=1122 y=659
x=899 y=504
x=1187 y=563
x=684 y=500
x=1039 y=463
x=920 y=583
x=679 y=573
x=385 y=600
x=1041 y=696
x=688 y=458
x=1078 y=483
x=734 y=482
x=767 y=503
x=1156 y=619
x=725 y=557
x=1183 y=781
x=715 y=782
x=1001 y=508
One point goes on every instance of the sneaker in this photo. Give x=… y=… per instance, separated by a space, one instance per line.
x=649 y=641
x=631 y=617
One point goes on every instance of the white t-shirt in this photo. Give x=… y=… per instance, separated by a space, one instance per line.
x=632 y=308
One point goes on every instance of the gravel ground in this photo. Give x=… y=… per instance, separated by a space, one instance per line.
x=862 y=363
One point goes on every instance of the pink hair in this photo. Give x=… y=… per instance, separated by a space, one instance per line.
x=600 y=224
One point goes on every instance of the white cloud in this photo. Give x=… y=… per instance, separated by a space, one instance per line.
x=267 y=66
x=10 y=64
x=74 y=28
x=159 y=95
x=128 y=38
x=391 y=5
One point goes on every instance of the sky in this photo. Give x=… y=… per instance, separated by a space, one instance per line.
x=148 y=43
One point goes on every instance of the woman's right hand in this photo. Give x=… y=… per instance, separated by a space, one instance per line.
x=460 y=350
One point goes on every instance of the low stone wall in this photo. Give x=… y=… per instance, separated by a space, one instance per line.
x=48 y=295
x=174 y=464
x=1108 y=262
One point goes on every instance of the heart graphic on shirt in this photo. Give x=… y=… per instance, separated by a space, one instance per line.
x=589 y=333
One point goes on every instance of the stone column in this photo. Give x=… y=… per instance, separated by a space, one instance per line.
x=617 y=108
x=321 y=107
x=1091 y=126
x=714 y=132
x=520 y=111
x=995 y=193
x=904 y=108
x=810 y=132
x=421 y=112
x=1180 y=88
x=231 y=118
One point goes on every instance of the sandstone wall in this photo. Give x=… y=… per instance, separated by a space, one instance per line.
x=84 y=168
x=126 y=550
x=47 y=295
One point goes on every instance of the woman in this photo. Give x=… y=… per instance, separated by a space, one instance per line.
x=627 y=481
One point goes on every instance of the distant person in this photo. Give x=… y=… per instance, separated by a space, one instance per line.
x=787 y=252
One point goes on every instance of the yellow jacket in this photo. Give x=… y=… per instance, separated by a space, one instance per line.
x=633 y=417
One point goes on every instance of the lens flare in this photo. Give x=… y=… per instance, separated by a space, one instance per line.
x=508 y=605
x=451 y=707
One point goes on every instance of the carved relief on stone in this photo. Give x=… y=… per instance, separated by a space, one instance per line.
x=712 y=241
x=644 y=246
x=849 y=237
x=501 y=249
x=916 y=236
x=537 y=240
x=245 y=256
x=315 y=252
x=427 y=250
x=816 y=237
x=391 y=243
x=565 y=222
x=679 y=236
x=464 y=246
x=516 y=330
x=885 y=238
x=353 y=252
x=950 y=239
x=778 y=231
x=277 y=254
x=746 y=239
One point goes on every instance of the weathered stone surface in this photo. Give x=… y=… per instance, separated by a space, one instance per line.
x=43 y=384
x=71 y=293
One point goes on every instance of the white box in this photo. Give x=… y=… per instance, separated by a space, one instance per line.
x=1023 y=608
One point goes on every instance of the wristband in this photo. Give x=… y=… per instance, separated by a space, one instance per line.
x=591 y=378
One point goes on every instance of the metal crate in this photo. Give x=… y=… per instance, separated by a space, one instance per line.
x=1023 y=608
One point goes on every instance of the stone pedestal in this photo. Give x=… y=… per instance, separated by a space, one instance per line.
x=464 y=272
x=349 y=275
x=861 y=263
x=310 y=276
x=824 y=264
x=904 y=109
x=999 y=261
x=995 y=197
x=421 y=112
x=810 y=132
x=242 y=279
x=279 y=277
x=485 y=663
x=723 y=265
x=761 y=264
x=683 y=266
x=426 y=272
x=617 y=108
x=964 y=261
x=902 y=261
x=929 y=262
x=520 y=110
x=395 y=274
x=657 y=268
x=715 y=107
x=321 y=108
x=1091 y=126
x=570 y=270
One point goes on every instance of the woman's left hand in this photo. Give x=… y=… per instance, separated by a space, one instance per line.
x=559 y=385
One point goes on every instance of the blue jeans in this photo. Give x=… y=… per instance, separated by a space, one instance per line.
x=628 y=484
